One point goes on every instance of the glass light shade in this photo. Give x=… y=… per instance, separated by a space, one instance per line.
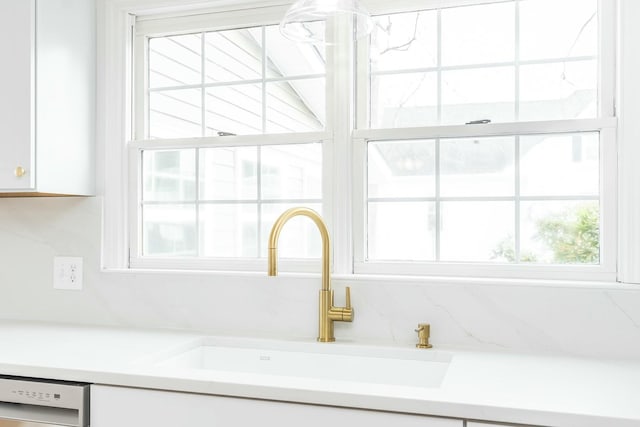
x=306 y=20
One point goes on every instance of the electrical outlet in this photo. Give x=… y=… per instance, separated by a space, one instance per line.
x=67 y=273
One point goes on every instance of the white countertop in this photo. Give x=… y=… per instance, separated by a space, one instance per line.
x=514 y=388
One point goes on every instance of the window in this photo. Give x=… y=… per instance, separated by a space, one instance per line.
x=486 y=141
x=481 y=144
x=230 y=128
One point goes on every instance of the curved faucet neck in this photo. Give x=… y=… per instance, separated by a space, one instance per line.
x=324 y=234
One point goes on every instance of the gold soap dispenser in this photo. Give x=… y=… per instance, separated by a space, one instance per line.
x=424 y=332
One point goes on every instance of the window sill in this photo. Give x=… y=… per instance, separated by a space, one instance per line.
x=396 y=280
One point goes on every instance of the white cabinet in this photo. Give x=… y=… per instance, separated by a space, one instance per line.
x=17 y=21
x=47 y=102
x=125 y=407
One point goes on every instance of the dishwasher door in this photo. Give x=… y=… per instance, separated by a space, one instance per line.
x=33 y=402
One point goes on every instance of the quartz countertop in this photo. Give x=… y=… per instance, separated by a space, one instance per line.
x=502 y=387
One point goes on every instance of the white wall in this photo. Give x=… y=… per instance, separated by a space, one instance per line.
x=588 y=321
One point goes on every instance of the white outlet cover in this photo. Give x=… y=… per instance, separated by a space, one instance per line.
x=67 y=273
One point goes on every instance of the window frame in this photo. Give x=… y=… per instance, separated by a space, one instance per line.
x=145 y=28
x=606 y=270
x=605 y=124
x=116 y=47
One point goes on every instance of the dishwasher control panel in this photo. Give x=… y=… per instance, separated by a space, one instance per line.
x=35 y=394
x=42 y=392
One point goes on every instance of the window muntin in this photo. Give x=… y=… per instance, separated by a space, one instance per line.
x=488 y=61
x=242 y=81
x=231 y=128
x=439 y=204
x=221 y=202
x=531 y=188
x=485 y=199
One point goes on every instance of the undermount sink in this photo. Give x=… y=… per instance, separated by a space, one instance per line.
x=354 y=363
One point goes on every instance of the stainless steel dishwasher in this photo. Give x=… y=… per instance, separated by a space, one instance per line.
x=33 y=402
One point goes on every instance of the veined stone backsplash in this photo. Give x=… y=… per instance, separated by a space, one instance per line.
x=591 y=321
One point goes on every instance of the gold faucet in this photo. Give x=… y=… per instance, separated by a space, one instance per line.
x=327 y=312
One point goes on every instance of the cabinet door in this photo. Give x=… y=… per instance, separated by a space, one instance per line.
x=17 y=34
x=124 y=407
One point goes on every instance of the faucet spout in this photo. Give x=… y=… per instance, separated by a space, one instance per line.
x=324 y=234
x=327 y=312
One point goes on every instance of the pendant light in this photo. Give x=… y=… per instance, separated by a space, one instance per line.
x=306 y=20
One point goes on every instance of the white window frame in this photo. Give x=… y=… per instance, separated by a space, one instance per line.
x=145 y=28
x=115 y=111
x=605 y=271
x=606 y=125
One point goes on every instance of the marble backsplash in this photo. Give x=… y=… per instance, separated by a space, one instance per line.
x=582 y=320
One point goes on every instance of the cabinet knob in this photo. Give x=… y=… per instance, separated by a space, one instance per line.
x=20 y=172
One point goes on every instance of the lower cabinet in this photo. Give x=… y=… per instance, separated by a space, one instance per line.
x=126 y=407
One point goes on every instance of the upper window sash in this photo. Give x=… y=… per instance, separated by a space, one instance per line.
x=606 y=68
x=279 y=81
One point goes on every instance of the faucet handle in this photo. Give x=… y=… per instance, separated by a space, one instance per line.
x=342 y=314
x=347 y=311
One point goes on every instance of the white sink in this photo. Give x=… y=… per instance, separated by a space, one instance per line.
x=342 y=362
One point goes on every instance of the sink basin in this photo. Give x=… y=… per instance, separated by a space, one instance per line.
x=337 y=362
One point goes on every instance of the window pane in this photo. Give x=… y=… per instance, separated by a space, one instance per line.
x=401 y=231
x=169 y=230
x=169 y=175
x=175 y=60
x=234 y=109
x=560 y=232
x=233 y=95
x=235 y=184
x=291 y=171
x=477 y=186
x=404 y=41
x=478 y=34
x=286 y=58
x=474 y=71
x=477 y=167
x=229 y=173
x=570 y=28
x=471 y=231
x=175 y=114
x=560 y=165
x=477 y=94
x=296 y=106
x=299 y=238
x=556 y=91
x=233 y=55
x=401 y=169
x=404 y=100
x=229 y=230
